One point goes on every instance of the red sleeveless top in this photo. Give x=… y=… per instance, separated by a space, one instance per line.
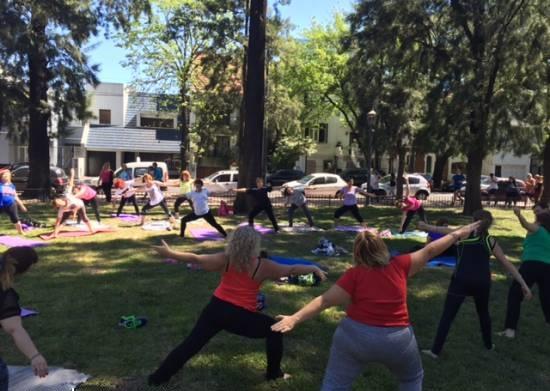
x=239 y=288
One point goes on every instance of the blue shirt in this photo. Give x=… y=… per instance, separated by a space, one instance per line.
x=458 y=181
x=124 y=175
x=7 y=194
x=158 y=174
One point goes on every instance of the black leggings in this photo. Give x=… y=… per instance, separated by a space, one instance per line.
x=348 y=208
x=304 y=207
x=162 y=204
x=123 y=202
x=93 y=204
x=209 y=217
x=410 y=215
x=11 y=211
x=533 y=272
x=220 y=315
x=268 y=209
x=107 y=190
x=458 y=291
x=181 y=200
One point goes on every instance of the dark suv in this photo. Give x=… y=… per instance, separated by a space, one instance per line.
x=282 y=176
x=58 y=178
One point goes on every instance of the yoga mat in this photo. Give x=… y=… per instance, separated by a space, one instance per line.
x=25 y=312
x=442 y=261
x=205 y=234
x=259 y=228
x=16 y=241
x=410 y=235
x=302 y=229
x=58 y=379
x=157 y=226
x=293 y=261
x=350 y=228
x=75 y=234
x=127 y=218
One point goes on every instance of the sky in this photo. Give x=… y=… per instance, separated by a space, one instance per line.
x=300 y=12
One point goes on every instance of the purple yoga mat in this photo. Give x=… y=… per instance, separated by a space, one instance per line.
x=28 y=312
x=261 y=229
x=350 y=228
x=16 y=241
x=127 y=218
x=205 y=234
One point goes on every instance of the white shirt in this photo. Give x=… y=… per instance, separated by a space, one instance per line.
x=127 y=191
x=493 y=184
x=200 y=201
x=155 y=195
x=73 y=204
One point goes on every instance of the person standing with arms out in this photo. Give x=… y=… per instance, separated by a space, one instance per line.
x=458 y=184
x=9 y=201
x=106 y=180
x=262 y=203
x=67 y=207
x=349 y=196
x=127 y=193
x=472 y=277
x=201 y=210
x=156 y=198
x=15 y=261
x=410 y=206
x=186 y=186
x=233 y=306
x=535 y=269
x=296 y=199
x=377 y=328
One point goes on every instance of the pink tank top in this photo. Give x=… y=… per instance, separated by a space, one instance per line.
x=411 y=204
x=89 y=193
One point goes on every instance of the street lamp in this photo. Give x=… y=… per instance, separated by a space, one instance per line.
x=371 y=118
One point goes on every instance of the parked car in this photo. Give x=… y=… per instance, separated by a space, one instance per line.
x=318 y=183
x=282 y=176
x=221 y=181
x=58 y=178
x=135 y=170
x=419 y=186
x=359 y=175
x=501 y=182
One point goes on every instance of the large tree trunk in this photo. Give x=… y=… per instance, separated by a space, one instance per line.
x=39 y=112
x=400 y=172
x=184 y=129
x=439 y=166
x=472 y=200
x=251 y=155
x=546 y=172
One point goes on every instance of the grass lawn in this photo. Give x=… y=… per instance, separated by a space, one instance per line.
x=82 y=286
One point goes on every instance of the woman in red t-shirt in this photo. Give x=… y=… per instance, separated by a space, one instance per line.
x=233 y=307
x=410 y=206
x=377 y=327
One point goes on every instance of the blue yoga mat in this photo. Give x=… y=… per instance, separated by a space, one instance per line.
x=293 y=261
x=442 y=261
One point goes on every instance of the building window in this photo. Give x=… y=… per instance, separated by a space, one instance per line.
x=429 y=164
x=155 y=123
x=498 y=171
x=319 y=134
x=323 y=134
x=105 y=117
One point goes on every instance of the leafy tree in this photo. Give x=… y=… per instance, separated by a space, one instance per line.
x=175 y=48
x=45 y=71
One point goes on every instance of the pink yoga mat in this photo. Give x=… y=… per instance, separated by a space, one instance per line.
x=74 y=234
x=261 y=229
x=205 y=234
x=16 y=241
x=127 y=218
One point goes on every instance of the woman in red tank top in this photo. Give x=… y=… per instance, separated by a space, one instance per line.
x=233 y=306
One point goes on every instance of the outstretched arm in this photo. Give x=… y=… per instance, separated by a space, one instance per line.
x=23 y=341
x=435 y=228
x=510 y=268
x=273 y=270
x=209 y=262
x=333 y=297
x=433 y=249
x=366 y=194
x=531 y=227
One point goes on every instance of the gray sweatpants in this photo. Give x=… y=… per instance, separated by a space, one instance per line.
x=355 y=344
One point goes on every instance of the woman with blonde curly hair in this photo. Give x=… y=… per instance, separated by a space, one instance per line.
x=233 y=306
x=377 y=328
